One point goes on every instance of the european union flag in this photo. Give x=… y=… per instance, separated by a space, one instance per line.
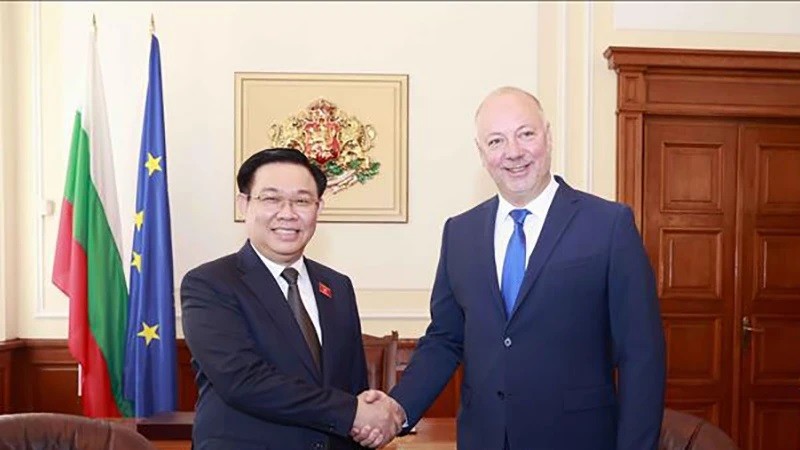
x=150 y=366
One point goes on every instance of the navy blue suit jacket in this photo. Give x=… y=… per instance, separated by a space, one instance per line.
x=258 y=385
x=543 y=378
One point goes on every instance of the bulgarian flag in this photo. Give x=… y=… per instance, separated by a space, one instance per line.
x=88 y=267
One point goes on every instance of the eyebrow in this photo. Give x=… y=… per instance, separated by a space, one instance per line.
x=278 y=191
x=518 y=129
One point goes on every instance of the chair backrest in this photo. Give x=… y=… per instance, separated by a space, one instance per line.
x=390 y=362
x=381 y=353
x=32 y=431
x=682 y=431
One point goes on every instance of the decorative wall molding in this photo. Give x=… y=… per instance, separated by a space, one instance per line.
x=573 y=47
x=38 y=161
x=369 y=313
x=589 y=80
x=561 y=85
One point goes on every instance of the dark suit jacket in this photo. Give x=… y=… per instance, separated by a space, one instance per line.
x=259 y=388
x=543 y=378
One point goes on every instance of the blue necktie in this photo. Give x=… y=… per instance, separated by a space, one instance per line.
x=514 y=264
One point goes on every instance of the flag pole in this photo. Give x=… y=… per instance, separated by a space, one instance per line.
x=80 y=368
x=152 y=24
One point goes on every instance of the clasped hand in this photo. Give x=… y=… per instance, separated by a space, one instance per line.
x=378 y=419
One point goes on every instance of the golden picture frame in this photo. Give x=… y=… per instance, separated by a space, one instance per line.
x=353 y=126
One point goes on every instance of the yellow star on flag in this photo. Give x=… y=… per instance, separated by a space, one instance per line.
x=137 y=261
x=139 y=220
x=149 y=333
x=152 y=163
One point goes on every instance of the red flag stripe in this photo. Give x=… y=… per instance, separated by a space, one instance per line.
x=70 y=276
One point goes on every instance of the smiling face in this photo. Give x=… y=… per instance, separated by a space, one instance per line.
x=514 y=142
x=281 y=213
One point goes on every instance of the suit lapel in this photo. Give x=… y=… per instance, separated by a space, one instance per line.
x=558 y=217
x=260 y=281
x=487 y=262
x=327 y=318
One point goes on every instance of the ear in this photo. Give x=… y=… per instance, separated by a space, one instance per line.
x=241 y=203
x=480 y=152
x=549 y=138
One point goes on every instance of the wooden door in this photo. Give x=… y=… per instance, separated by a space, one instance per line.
x=770 y=287
x=708 y=157
x=721 y=223
x=689 y=230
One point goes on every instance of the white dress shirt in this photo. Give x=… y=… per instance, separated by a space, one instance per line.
x=303 y=284
x=504 y=225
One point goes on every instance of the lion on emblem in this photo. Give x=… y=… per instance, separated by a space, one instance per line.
x=339 y=144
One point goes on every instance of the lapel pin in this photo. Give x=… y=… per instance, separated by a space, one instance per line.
x=325 y=290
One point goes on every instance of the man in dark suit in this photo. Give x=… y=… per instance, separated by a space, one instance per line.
x=275 y=337
x=541 y=293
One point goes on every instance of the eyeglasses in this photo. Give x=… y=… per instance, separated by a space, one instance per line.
x=276 y=203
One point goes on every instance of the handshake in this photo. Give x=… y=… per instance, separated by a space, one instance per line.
x=379 y=418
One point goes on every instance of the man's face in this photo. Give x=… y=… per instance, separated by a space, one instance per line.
x=514 y=142
x=281 y=214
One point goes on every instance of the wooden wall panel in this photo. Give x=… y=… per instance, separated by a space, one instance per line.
x=45 y=376
x=51 y=379
x=446 y=405
x=9 y=358
x=187 y=389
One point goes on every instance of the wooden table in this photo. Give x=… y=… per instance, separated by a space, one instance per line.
x=174 y=432
x=432 y=434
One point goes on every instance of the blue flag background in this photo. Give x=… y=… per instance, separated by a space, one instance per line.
x=150 y=367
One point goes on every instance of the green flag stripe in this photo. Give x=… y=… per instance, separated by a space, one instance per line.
x=107 y=292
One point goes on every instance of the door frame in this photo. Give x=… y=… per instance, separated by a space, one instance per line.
x=646 y=75
x=677 y=82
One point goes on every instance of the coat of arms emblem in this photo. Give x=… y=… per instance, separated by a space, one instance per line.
x=337 y=143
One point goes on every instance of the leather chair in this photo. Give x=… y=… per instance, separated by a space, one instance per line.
x=381 y=353
x=51 y=431
x=682 y=431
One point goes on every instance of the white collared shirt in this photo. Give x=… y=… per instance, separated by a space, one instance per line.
x=504 y=225
x=303 y=284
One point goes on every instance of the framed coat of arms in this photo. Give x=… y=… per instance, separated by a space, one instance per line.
x=354 y=127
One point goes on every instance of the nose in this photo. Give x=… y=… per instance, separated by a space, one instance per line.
x=514 y=149
x=286 y=209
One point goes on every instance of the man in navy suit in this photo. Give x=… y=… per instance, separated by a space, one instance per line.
x=275 y=337
x=541 y=293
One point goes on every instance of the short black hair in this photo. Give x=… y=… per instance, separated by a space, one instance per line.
x=244 y=179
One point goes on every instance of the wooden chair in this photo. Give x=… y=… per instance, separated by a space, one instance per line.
x=381 y=353
x=33 y=431
x=683 y=431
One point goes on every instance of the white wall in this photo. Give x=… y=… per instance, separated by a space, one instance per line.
x=454 y=54
x=5 y=59
x=698 y=25
x=778 y=18
x=12 y=123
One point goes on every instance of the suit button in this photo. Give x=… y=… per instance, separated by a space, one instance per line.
x=507 y=342
x=501 y=395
